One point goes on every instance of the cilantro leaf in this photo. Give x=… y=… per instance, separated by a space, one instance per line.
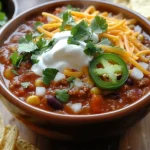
x=91 y=49
x=45 y=43
x=25 y=84
x=67 y=20
x=36 y=24
x=71 y=40
x=16 y=58
x=14 y=71
x=62 y=95
x=27 y=47
x=105 y=41
x=26 y=39
x=48 y=75
x=69 y=7
x=98 y=25
x=81 y=30
x=34 y=58
x=70 y=79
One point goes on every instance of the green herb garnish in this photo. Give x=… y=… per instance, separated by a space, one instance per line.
x=70 y=79
x=91 y=49
x=37 y=24
x=71 y=40
x=25 y=85
x=62 y=95
x=105 y=41
x=98 y=25
x=67 y=20
x=48 y=75
x=16 y=59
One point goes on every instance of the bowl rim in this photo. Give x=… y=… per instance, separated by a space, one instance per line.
x=72 y=118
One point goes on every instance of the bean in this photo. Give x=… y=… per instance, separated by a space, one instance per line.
x=113 y=95
x=129 y=82
x=54 y=102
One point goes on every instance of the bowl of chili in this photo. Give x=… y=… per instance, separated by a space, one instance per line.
x=76 y=71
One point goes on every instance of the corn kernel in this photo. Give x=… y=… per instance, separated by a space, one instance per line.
x=38 y=82
x=8 y=74
x=140 y=37
x=95 y=90
x=33 y=100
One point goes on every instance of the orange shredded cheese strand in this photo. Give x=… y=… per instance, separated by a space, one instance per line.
x=51 y=16
x=41 y=30
x=51 y=25
x=90 y=10
x=126 y=43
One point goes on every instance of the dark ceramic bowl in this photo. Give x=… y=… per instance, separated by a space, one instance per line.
x=10 y=7
x=66 y=127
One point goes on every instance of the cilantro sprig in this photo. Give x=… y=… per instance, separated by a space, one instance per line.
x=48 y=75
x=98 y=25
x=67 y=20
x=16 y=59
x=31 y=48
x=62 y=95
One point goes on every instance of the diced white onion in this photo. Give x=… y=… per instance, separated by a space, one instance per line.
x=136 y=74
x=76 y=107
x=144 y=65
x=40 y=91
x=78 y=83
x=59 y=76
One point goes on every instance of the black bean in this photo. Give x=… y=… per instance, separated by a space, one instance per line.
x=130 y=82
x=54 y=102
x=113 y=95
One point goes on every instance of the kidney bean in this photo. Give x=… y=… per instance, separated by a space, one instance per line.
x=54 y=102
x=129 y=82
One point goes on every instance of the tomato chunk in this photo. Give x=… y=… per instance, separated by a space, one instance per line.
x=96 y=103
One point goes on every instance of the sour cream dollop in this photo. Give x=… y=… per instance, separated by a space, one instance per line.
x=63 y=55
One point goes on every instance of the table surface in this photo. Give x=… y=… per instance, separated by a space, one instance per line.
x=136 y=138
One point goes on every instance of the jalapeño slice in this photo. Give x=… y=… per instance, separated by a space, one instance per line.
x=108 y=71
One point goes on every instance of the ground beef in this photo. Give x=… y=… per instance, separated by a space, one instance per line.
x=134 y=94
x=144 y=82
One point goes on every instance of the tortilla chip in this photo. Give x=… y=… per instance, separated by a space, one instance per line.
x=24 y=145
x=9 y=139
x=2 y=128
x=141 y=6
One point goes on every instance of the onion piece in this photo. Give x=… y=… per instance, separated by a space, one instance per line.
x=136 y=74
x=59 y=76
x=144 y=65
x=40 y=91
x=78 y=83
x=76 y=107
